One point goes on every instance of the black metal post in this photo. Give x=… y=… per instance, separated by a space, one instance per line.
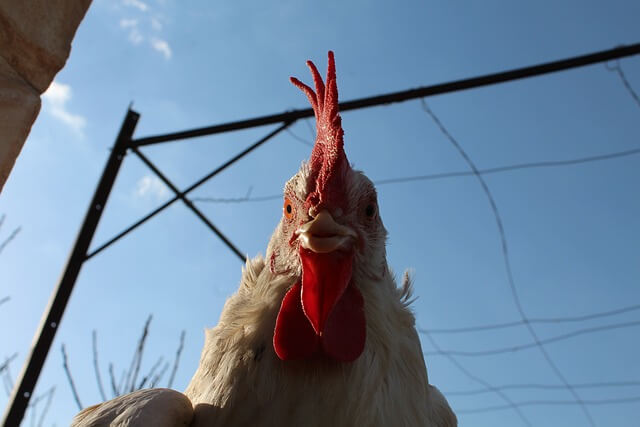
x=50 y=322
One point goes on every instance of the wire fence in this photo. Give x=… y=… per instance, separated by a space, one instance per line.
x=438 y=176
x=524 y=320
x=453 y=355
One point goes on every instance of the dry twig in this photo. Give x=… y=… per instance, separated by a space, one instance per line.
x=177 y=360
x=9 y=239
x=134 y=368
x=159 y=375
x=150 y=374
x=114 y=387
x=94 y=340
x=65 y=365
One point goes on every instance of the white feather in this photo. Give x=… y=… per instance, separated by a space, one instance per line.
x=241 y=381
x=158 y=407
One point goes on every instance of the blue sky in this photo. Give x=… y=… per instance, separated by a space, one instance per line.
x=572 y=231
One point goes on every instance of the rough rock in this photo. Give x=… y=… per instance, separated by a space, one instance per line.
x=19 y=106
x=35 y=41
x=35 y=36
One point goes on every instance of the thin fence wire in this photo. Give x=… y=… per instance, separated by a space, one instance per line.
x=487 y=386
x=534 y=386
x=507 y=261
x=299 y=138
x=536 y=343
x=517 y=405
x=623 y=78
x=611 y=401
x=567 y=319
x=445 y=175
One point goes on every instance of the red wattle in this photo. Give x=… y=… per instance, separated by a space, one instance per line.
x=323 y=313
x=325 y=277
x=293 y=337
x=345 y=331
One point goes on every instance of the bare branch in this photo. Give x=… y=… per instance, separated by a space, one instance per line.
x=5 y=368
x=33 y=405
x=121 y=384
x=65 y=365
x=47 y=405
x=7 y=382
x=114 y=387
x=5 y=299
x=94 y=339
x=137 y=358
x=10 y=238
x=34 y=414
x=159 y=375
x=7 y=361
x=151 y=372
x=177 y=360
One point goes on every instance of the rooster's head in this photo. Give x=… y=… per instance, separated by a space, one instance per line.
x=330 y=237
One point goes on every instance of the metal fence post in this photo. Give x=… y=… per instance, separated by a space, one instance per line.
x=50 y=322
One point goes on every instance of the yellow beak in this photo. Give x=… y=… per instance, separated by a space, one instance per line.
x=322 y=234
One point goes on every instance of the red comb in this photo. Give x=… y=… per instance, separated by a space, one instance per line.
x=328 y=161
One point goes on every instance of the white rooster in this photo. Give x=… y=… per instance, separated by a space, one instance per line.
x=318 y=334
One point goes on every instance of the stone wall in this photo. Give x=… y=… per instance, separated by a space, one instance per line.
x=35 y=41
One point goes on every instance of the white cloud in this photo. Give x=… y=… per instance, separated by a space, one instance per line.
x=55 y=98
x=156 y=24
x=135 y=36
x=138 y=4
x=150 y=186
x=128 y=23
x=162 y=46
x=139 y=30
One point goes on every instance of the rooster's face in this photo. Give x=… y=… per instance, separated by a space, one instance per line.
x=330 y=228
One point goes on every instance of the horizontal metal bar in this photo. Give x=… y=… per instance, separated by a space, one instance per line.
x=438 y=89
x=210 y=130
x=189 y=189
x=189 y=204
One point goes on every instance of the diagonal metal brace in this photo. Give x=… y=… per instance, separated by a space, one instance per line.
x=189 y=189
x=188 y=203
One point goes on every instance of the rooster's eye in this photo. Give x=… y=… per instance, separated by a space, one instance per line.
x=370 y=210
x=288 y=209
